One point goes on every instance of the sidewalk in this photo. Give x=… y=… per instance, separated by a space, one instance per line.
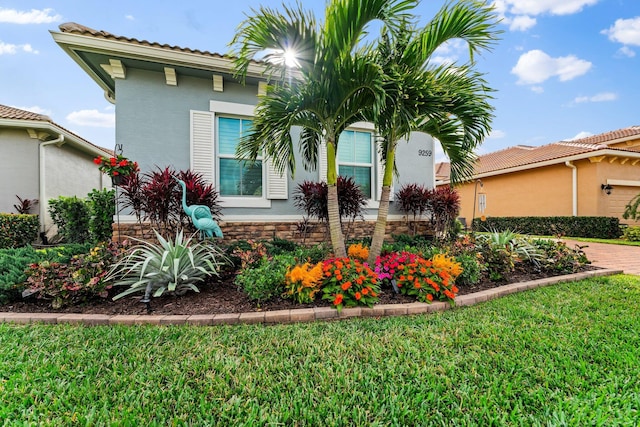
x=619 y=257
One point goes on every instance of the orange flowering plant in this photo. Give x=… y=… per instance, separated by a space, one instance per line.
x=348 y=283
x=302 y=282
x=114 y=166
x=426 y=279
x=358 y=251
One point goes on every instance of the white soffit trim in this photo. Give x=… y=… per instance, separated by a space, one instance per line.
x=624 y=183
x=218 y=83
x=262 y=88
x=170 y=76
x=231 y=108
x=71 y=42
x=117 y=68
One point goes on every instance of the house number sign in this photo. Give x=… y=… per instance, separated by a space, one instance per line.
x=424 y=153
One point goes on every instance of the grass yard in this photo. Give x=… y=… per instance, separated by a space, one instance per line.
x=561 y=355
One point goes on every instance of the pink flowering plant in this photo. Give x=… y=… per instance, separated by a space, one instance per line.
x=114 y=166
x=348 y=283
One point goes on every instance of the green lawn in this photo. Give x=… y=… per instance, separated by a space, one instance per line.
x=562 y=355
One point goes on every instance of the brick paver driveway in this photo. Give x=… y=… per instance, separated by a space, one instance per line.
x=621 y=257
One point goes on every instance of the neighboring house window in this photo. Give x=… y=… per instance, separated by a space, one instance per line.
x=482 y=202
x=236 y=177
x=355 y=159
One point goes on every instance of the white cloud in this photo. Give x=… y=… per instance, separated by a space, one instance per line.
x=600 y=97
x=536 y=66
x=12 y=49
x=449 y=52
x=92 y=118
x=130 y=17
x=497 y=134
x=580 y=135
x=626 y=51
x=625 y=31
x=538 y=7
x=34 y=109
x=537 y=89
x=518 y=14
x=34 y=16
x=522 y=23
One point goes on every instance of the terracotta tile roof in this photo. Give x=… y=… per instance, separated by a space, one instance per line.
x=12 y=113
x=74 y=28
x=522 y=155
x=609 y=137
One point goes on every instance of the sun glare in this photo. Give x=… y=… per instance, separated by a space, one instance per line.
x=290 y=59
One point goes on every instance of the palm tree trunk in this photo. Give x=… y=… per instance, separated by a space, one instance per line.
x=383 y=210
x=381 y=226
x=335 y=228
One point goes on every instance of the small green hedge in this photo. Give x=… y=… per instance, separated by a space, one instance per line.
x=13 y=263
x=573 y=226
x=18 y=230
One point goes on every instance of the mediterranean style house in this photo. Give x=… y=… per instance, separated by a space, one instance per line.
x=593 y=176
x=183 y=108
x=42 y=160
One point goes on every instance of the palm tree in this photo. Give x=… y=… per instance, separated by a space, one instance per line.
x=335 y=80
x=449 y=102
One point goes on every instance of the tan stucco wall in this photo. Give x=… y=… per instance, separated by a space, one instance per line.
x=547 y=191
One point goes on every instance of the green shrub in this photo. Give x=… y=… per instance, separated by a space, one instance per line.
x=632 y=233
x=78 y=280
x=71 y=215
x=18 y=230
x=102 y=204
x=14 y=262
x=573 y=226
x=471 y=270
x=558 y=258
x=265 y=280
x=501 y=251
x=173 y=266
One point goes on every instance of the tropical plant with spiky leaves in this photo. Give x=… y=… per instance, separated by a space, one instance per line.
x=450 y=101
x=173 y=266
x=334 y=81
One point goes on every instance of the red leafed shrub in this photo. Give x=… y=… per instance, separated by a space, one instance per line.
x=444 y=208
x=412 y=199
x=156 y=197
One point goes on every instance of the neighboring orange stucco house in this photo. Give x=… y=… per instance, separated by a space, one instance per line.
x=593 y=176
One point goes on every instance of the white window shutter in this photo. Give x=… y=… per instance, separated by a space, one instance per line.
x=322 y=161
x=380 y=176
x=202 y=144
x=276 y=182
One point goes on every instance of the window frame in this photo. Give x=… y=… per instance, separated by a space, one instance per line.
x=219 y=155
x=372 y=160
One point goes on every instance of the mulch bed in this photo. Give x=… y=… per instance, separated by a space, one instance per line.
x=221 y=297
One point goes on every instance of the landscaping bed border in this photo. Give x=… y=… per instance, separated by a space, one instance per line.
x=296 y=315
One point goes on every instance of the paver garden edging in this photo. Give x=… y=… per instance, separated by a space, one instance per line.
x=296 y=315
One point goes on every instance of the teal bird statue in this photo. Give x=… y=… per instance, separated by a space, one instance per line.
x=200 y=216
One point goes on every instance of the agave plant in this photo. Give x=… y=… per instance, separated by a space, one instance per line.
x=173 y=266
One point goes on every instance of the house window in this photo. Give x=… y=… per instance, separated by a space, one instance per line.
x=236 y=177
x=355 y=159
x=482 y=202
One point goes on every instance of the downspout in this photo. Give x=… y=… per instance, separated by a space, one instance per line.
x=574 y=186
x=42 y=184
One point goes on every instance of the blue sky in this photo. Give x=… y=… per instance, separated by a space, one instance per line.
x=562 y=69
